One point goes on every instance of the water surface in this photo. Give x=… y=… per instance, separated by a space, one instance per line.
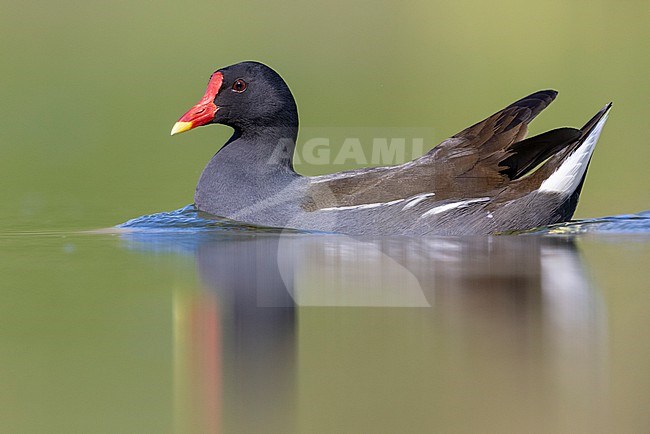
x=181 y=323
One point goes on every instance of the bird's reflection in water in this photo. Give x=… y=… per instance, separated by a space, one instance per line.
x=521 y=328
x=259 y=333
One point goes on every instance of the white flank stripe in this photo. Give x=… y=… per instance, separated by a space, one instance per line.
x=453 y=205
x=416 y=199
x=364 y=206
x=567 y=177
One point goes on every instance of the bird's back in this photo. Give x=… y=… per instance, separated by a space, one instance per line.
x=487 y=178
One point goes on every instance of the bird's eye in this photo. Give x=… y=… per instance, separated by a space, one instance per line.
x=239 y=85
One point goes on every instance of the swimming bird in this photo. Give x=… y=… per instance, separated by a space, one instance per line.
x=489 y=178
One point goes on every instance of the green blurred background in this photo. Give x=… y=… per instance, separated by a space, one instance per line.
x=91 y=89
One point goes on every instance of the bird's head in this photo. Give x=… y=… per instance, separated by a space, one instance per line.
x=245 y=96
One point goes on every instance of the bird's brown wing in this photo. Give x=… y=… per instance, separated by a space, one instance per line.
x=469 y=164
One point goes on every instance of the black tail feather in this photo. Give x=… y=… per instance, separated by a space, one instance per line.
x=586 y=129
x=525 y=155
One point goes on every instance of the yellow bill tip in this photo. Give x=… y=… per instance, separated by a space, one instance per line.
x=181 y=127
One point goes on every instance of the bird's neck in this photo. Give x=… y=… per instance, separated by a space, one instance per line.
x=263 y=150
x=248 y=168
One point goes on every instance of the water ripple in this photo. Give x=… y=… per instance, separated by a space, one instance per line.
x=619 y=224
x=190 y=219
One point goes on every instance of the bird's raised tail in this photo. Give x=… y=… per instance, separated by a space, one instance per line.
x=569 y=168
x=564 y=172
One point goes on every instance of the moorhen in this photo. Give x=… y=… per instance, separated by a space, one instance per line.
x=486 y=179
